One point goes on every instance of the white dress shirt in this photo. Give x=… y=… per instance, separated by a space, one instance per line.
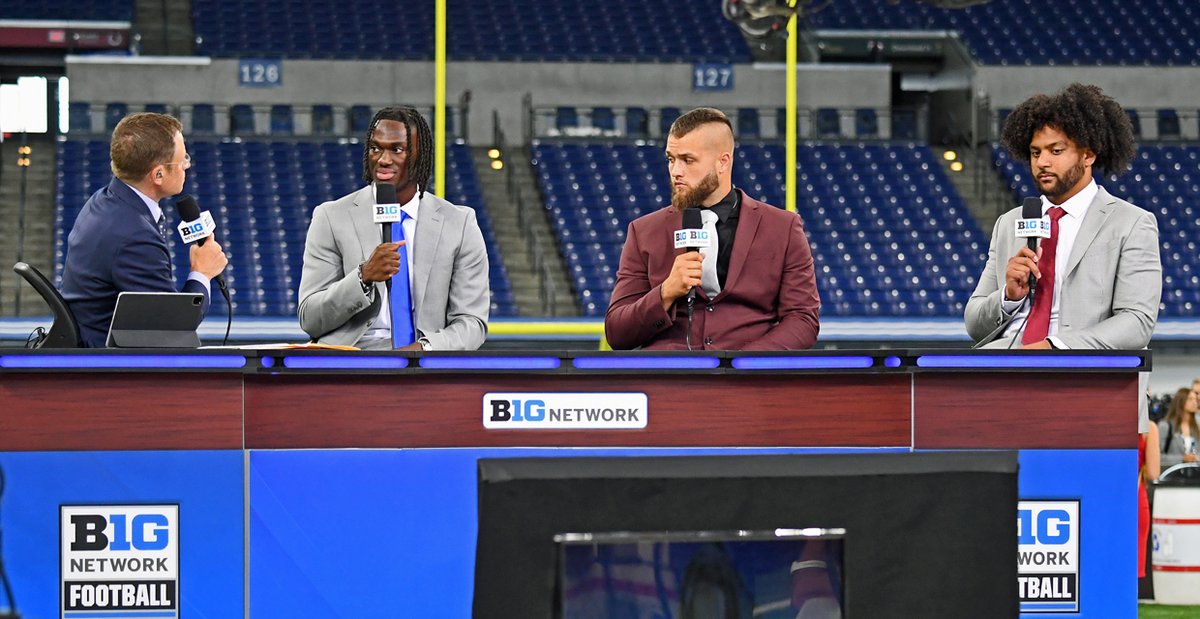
x=1076 y=208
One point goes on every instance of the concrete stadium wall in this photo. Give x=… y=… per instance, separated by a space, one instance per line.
x=496 y=86
x=1136 y=87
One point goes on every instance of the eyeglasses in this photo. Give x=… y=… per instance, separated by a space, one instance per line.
x=186 y=163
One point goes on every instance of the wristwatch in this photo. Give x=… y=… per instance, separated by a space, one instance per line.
x=366 y=287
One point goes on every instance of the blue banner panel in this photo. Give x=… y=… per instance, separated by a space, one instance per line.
x=1103 y=575
x=380 y=533
x=207 y=486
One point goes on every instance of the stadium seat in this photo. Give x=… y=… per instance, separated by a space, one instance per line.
x=241 y=120
x=203 y=121
x=1168 y=124
x=829 y=123
x=866 y=123
x=747 y=123
x=667 y=116
x=637 y=122
x=360 y=118
x=113 y=113
x=80 y=117
x=281 y=120
x=322 y=119
x=604 y=119
x=565 y=117
x=1136 y=122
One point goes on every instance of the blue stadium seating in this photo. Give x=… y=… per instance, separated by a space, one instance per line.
x=1160 y=32
x=889 y=234
x=241 y=120
x=262 y=194
x=529 y=30
x=113 y=113
x=637 y=122
x=65 y=10
x=203 y=120
x=281 y=120
x=1165 y=180
x=81 y=117
x=322 y=119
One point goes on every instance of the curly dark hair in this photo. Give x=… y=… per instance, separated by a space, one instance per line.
x=1089 y=117
x=419 y=167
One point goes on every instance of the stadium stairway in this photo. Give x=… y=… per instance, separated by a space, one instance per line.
x=39 y=223
x=983 y=188
x=515 y=245
x=165 y=28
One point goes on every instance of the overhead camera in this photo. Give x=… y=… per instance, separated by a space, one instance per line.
x=760 y=19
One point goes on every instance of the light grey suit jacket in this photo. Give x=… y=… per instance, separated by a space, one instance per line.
x=451 y=293
x=1113 y=283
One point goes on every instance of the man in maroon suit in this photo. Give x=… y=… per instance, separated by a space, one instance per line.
x=755 y=287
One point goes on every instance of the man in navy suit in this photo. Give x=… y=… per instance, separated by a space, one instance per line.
x=117 y=244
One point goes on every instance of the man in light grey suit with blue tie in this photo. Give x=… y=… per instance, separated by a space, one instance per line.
x=1099 y=278
x=345 y=298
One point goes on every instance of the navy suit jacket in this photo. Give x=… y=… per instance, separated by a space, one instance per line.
x=115 y=247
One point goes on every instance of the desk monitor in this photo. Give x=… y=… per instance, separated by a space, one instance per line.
x=775 y=574
x=156 y=320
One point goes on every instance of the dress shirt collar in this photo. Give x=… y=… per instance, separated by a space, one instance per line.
x=151 y=203
x=727 y=206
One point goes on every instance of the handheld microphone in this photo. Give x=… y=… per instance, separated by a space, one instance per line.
x=693 y=237
x=387 y=210
x=1032 y=226
x=195 y=226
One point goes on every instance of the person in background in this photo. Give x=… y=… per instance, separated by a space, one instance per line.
x=1178 y=431
x=1150 y=467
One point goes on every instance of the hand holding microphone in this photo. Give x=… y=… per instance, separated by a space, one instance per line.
x=687 y=270
x=1022 y=273
x=197 y=228
x=384 y=262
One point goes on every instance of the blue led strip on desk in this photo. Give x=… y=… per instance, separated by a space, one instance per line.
x=803 y=363
x=647 y=363
x=490 y=363
x=1066 y=362
x=344 y=362
x=124 y=362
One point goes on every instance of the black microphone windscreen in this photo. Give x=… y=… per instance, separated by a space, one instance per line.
x=692 y=219
x=385 y=193
x=187 y=208
x=1031 y=208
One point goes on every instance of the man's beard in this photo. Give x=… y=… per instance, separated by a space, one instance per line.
x=1064 y=184
x=694 y=197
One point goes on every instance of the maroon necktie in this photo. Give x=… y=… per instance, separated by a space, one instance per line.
x=1038 y=326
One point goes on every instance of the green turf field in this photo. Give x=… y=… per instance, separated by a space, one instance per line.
x=1152 y=611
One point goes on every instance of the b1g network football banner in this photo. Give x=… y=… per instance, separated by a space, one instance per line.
x=119 y=561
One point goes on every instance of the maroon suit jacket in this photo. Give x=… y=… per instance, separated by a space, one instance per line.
x=769 y=301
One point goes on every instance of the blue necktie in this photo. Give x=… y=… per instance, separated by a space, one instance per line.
x=401 y=297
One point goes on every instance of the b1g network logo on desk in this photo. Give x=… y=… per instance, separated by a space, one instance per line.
x=119 y=560
x=1048 y=556
x=564 y=411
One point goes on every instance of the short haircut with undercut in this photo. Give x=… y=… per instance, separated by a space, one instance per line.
x=140 y=142
x=1092 y=120
x=700 y=116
